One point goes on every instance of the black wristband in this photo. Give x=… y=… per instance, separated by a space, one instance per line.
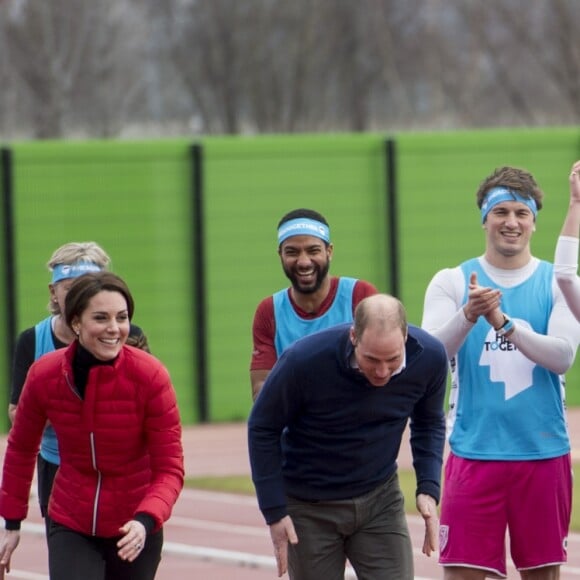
x=506 y=328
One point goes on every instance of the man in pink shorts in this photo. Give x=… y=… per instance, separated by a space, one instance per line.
x=510 y=337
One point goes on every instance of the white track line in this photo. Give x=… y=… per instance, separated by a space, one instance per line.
x=228 y=556
x=240 y=559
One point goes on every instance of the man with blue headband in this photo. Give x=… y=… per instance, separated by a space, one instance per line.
x=314 y=300
x=510 y=337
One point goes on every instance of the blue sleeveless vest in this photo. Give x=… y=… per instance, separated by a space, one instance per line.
x=503 y=406
x=44 y=344
x=290 y=327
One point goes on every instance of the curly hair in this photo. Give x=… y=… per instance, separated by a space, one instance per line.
x=518 y=180
x=138 y=341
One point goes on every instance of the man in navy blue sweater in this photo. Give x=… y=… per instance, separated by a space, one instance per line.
x=324 y=435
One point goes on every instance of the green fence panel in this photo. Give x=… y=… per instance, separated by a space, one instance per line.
x=134 y=199
x=5 y=362
x=250 y=183
x=439 y=174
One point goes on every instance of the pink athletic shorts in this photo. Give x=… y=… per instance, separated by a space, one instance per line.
x=532 y=499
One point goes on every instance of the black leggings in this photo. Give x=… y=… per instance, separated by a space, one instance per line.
x=46 y=473
x=75 y=556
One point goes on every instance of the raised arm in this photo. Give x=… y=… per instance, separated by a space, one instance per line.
x=566 y=256
x=572 y=221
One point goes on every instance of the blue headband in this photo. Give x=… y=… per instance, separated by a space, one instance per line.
x=66 y=271
x=303 y=227
x=501 y=194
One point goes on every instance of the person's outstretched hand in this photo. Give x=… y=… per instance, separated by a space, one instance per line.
x=282 y=532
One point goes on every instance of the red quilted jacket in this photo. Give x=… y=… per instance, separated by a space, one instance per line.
x=120 y=446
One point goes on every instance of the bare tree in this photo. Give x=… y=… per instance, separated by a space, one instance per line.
x=558 y=61
x=208 y=54
x=521 y=57
x=106 y=67
x=68 y=54
x=283 y=66
x=110 y=90
x=46 y=44
x=7 y=82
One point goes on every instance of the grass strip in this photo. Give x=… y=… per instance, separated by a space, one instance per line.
x=242 y=484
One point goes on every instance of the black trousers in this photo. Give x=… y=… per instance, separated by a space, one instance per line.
x=75 y=556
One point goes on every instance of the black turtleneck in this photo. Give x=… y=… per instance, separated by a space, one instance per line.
x=83 y=362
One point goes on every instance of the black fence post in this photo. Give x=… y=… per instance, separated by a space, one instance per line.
x=392 y=215
x=8 y=259
x=198 y=269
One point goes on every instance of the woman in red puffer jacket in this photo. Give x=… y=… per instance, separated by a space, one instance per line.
x=115 y=415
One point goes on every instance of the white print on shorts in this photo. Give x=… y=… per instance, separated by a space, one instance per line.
x=443 y=537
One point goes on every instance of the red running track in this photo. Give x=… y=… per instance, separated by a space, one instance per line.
x=215 y=536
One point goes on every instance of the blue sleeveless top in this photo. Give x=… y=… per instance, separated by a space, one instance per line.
x=290 y=326
x=503 y=406
x=44 y=344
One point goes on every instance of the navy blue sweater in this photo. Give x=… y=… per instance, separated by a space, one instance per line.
x=319 y=431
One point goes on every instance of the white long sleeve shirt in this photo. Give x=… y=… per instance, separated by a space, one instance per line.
x=443 y=317
x=507 y=396
x=565 y=269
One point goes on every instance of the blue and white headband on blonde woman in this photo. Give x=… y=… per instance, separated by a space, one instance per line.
x=303 y=227
x=66 y=271
x=501 y=194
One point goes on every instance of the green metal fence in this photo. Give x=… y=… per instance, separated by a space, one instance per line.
x=195 y=235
